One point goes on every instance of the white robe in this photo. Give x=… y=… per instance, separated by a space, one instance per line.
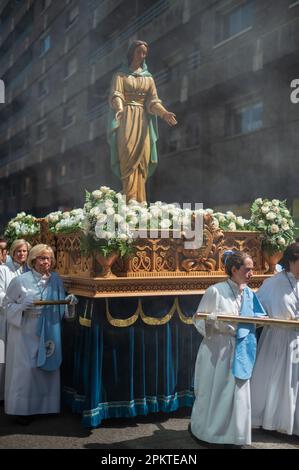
x=275 y=380
x=7 y=272
x=28 y=389
x=221 y=412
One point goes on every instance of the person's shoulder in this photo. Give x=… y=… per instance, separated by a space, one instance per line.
x=216 y=288
x=272 y=281
x=4 y=268
x=221 y=286
x=25 y=276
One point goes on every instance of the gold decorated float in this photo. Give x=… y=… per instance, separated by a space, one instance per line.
x=159 y=266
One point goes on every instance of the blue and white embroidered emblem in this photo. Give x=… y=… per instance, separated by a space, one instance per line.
x=50 y=348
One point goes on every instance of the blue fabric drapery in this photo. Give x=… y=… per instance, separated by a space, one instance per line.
x=116 y=370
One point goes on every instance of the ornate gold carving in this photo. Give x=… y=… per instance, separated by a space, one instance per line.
x=147 y=286
x=160 y=266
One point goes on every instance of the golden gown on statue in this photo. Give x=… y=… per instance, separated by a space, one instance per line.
x=138 y=94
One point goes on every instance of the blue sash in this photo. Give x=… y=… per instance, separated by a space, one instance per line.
x=49 y=327
x=245 y=348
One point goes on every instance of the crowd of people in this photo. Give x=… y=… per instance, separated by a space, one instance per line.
x=31 y=312
x=238 y=383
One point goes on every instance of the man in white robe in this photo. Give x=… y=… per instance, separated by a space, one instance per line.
x=222 y=410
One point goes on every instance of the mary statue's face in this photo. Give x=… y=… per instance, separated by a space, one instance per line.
x=140 y=54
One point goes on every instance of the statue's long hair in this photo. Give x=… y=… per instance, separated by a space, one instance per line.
x=131 y=50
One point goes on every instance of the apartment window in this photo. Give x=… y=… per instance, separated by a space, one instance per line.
x=244 y=119
x=41 y=131
x=192 y=131
x=72 y=16
x=74 y=169
x=232 y=22
x=71 y=67
x=62 y=172
x=194 y=59
x=89 y=166
x=13 y=190
x=174 y=140
x=26 y=185
x=43 y=88
x=69 y=115
x=45 y=4
x=45 y=44
x=49 y=177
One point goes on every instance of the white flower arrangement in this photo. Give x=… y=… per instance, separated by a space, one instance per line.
x=230 y=222
x=106 y=223
x=21 y=226
x=274 y=221
x=65 y=222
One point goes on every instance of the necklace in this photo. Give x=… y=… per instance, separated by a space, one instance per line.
x=237 y=301
x=293 y=290
x=40 y=290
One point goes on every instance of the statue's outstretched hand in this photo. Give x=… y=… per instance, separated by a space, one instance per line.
x=170 y=118
x=119 y=114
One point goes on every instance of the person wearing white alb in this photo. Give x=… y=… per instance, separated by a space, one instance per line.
x=34 y=350
x=275 y=380
x=221 y=412
x=13 y=267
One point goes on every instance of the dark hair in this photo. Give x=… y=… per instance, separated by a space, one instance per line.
x=131 y=50
x=233 y=259
x=291 y=253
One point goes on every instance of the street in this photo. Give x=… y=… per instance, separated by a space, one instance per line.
x=156 y=431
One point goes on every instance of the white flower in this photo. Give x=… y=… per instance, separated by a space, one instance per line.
x=265 y=208
x=259 y=201
x=270 y=216
x=240 y=221
x=274 y=228
x=165 y=223
x=108 y=203
x=101 y=218
x=110 y=211
x=232 y=227
x=231 y=216
x=105 y=189
x=281 y=241
x=275 y=202
x=97 y=194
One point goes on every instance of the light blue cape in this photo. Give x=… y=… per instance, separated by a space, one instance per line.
x=49 y=327
x=245 y=348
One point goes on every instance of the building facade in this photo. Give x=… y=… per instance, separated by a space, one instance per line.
x=224 y=67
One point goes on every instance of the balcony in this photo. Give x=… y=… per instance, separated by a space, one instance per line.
x=117 y=39
x=17 y=12
x=112 y=54
x=284 y=40
x=102 y=8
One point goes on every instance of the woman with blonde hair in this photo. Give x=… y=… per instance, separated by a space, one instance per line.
x=32 y=380
x=13 y=267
